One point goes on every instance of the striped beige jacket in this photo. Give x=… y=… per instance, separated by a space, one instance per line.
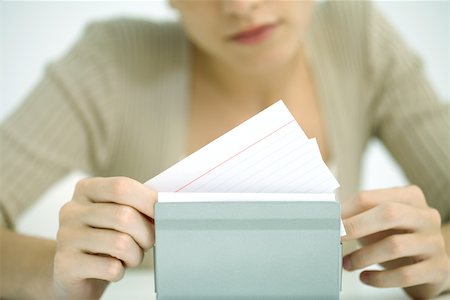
x=116 y=104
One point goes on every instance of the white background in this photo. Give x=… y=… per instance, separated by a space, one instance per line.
x=34 y=33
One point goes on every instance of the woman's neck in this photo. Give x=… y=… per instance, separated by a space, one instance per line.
x=263 y=84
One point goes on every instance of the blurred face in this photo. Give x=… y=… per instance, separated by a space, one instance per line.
x=246 y=33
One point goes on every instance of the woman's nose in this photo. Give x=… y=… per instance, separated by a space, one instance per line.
x=239 y=7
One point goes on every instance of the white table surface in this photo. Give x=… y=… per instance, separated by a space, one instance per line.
x=138 y=284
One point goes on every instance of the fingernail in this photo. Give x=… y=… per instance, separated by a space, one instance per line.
x=347 y=263
x=364 y=276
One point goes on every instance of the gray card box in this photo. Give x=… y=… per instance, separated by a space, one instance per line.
x=247 y=250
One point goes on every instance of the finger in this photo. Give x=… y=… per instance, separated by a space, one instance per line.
x=410 y=275
x=121 y=218
x=83 y=266
x=389 y=215
x=389 y=249
x=365 y=200
x=109 y=242
x=121 y=190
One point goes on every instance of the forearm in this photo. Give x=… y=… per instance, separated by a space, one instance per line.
x=26 y=266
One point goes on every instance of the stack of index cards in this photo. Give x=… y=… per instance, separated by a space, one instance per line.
x=268 y=153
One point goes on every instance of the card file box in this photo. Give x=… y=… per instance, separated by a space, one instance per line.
x=248 y=250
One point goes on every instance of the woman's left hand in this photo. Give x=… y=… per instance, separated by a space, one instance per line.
x=398 y=230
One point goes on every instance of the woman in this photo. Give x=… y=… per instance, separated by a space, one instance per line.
x=132 y=97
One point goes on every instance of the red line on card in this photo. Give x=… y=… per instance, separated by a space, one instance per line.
x=228 y=159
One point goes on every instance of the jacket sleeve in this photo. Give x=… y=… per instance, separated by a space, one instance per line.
x=65 y=123
x=408 y=117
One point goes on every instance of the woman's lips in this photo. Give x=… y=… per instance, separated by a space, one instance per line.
x=254 y=35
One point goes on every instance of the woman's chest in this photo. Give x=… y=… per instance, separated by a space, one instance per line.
x=211 y=115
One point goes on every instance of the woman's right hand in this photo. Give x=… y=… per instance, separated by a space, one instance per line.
x=106 y=227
